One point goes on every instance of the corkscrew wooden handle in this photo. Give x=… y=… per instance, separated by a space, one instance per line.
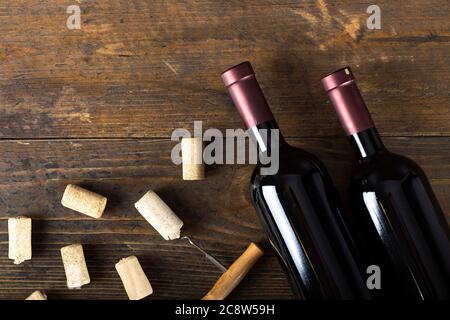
x=235 y=274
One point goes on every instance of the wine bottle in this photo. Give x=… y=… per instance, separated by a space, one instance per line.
x=298 y=205
x=400 y=223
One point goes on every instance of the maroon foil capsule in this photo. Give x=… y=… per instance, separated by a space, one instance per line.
x=246 y=94
x=347 y=101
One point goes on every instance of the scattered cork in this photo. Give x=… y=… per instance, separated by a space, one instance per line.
x=192 y=155
x=37 y=295
x=19 y=233
x=84 y=201
x=133 y=278
x=75 y=266
x=159 y=215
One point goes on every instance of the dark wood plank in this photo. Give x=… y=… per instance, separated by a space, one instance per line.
x=175 y=271
x=217 y=213
x=143 y=68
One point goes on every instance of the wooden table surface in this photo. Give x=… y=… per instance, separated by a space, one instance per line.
x=97 y=106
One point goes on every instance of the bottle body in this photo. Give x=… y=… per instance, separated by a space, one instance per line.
x=400 y=226
x=397 y=213
x=301 y=212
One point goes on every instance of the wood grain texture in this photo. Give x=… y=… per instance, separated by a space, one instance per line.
x=143 y=68
x=96 y=107
x=216 y=211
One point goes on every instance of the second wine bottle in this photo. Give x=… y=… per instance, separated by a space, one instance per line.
x=398 y=219
x=298 y=205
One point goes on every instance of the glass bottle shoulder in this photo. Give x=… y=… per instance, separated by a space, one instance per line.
x=384 y=167
x=292 y=162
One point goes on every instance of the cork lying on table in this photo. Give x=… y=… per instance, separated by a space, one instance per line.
x=133 y=278
x=75 y=266
x=84 y=201
x=19 y=234
x=159 y=215
x=37 y=295
x=192 y=155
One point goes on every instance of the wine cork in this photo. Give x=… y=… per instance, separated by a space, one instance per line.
x=37 y=295
x=19 y=234
x=84 y=201
x=192 y=155
x=159 y=215
x=75 y=266
x=133 y=278
x=235 y=274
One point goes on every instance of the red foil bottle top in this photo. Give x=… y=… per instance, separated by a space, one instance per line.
x=246 y=94
x=347 y=101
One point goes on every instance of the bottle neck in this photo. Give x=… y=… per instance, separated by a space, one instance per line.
x=270 y=146
x=249 y=100
x=353 y=113
x=268 y=137
x=366 y=143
